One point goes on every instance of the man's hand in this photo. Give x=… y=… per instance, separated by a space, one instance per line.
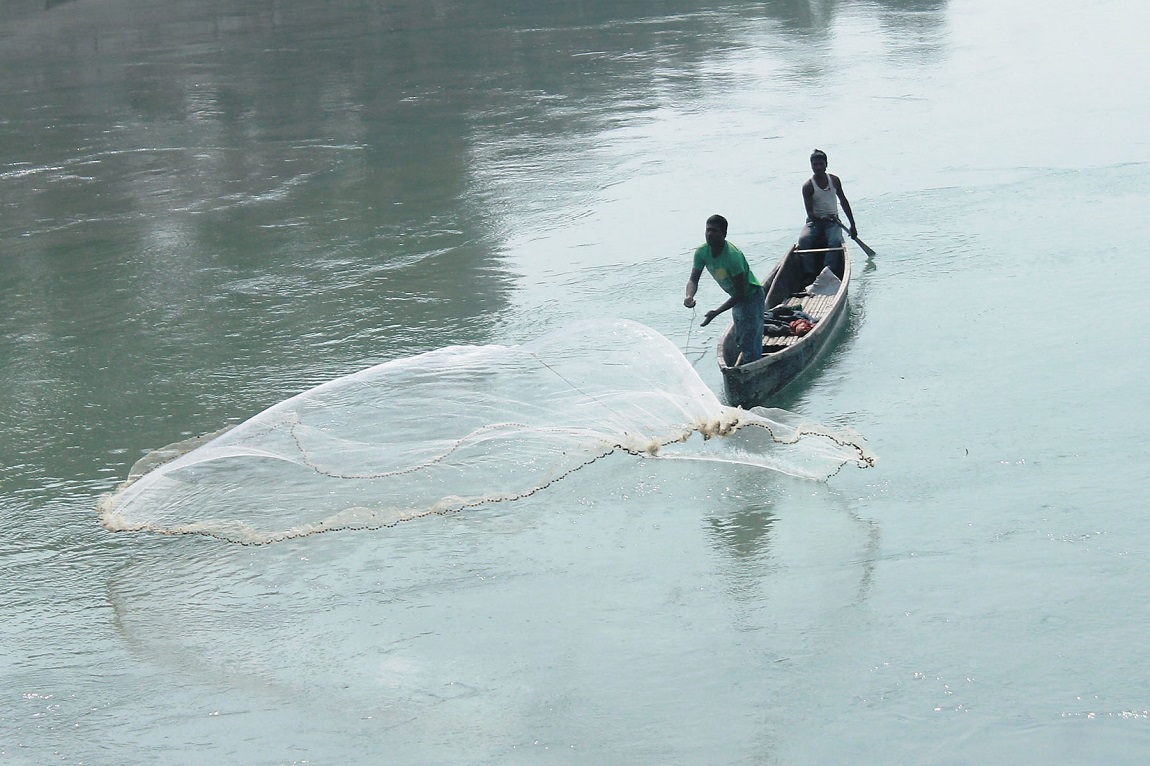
x=708 y=317
x=689 y=302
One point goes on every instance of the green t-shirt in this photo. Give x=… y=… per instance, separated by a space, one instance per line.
x=725 y=266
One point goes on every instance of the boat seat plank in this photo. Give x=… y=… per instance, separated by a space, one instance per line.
x=818 y=306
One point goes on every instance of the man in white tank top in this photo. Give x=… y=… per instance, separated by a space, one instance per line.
x=821 y=194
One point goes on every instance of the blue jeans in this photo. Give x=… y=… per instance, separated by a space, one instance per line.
x=820 y=233
x=749 y=325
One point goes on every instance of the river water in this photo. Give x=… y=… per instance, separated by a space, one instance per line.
x=210 y=206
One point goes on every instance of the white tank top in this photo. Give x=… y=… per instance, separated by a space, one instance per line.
x=826 y=201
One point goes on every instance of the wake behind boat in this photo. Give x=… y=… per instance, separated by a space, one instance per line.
x=785 y=356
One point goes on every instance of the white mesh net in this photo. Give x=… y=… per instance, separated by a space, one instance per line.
x=454 y=429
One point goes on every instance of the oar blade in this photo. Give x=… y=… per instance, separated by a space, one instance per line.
x=865 y=247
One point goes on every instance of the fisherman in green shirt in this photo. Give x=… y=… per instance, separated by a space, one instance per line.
x=729 y=267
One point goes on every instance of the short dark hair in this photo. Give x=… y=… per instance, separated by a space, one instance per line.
x=818 y=153
x=718 y=220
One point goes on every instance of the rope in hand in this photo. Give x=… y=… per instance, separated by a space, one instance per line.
x=687 y=348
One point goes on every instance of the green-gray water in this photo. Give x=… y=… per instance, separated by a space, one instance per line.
x=209 y=206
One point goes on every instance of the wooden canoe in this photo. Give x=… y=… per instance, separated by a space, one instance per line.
x=784 y=358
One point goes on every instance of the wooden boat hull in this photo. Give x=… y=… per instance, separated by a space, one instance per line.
x=750 y=385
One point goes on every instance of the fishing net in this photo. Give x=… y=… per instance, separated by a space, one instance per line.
x=459 y=428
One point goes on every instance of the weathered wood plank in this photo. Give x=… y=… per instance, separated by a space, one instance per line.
x=817 y=306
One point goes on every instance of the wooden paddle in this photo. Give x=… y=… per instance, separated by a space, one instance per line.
x=865 y=247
